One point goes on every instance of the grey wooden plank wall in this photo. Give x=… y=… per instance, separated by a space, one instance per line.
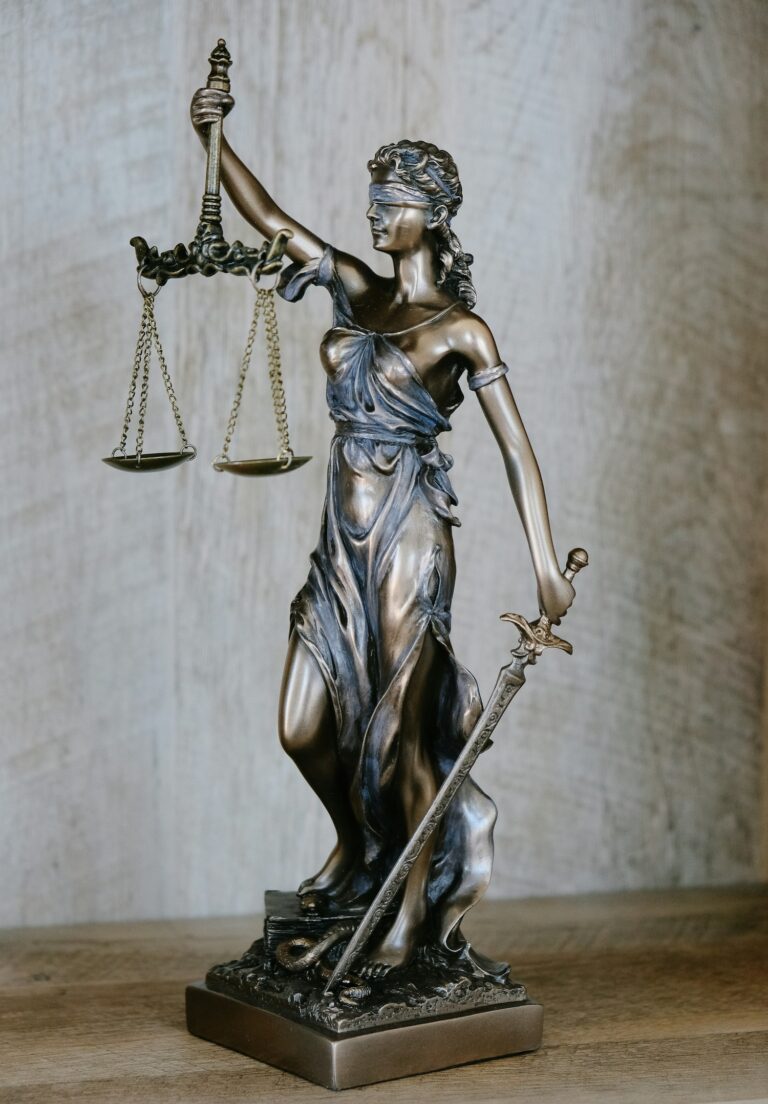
x=614 y=157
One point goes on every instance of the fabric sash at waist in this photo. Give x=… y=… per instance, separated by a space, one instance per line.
x=434 y=463
x=386 y=437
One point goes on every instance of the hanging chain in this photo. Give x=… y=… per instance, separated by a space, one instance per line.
x=275 y=374
x=244 y=365
x=144 y=396
x=167 y=378
x=148 y=335
x=137 y=362
x=264 y=303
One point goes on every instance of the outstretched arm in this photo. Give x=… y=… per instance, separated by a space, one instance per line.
x=255 y=203
x=499 y=407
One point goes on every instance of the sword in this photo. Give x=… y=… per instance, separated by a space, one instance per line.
x=534 y=638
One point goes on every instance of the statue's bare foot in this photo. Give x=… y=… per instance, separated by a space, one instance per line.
x=373 y=971
x=388 y=955
x=352 y=892
x=333 y=877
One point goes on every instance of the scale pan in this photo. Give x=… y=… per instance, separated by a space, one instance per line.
x=271 y=466
x=150 y=461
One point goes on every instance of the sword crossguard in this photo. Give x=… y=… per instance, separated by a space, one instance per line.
x=537 y=635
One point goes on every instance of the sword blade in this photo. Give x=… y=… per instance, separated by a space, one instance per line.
x=510 y=678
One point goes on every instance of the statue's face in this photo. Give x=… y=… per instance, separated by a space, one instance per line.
x=396 y=228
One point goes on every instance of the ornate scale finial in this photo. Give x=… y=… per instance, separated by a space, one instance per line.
x=220 y=61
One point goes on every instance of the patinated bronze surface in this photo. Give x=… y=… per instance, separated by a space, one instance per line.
x=344 y=1061
x=376 y=711
x=285 y=971
x=533 y=640
x=438 y=1012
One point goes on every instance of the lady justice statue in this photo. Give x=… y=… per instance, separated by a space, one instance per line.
x=374 y=706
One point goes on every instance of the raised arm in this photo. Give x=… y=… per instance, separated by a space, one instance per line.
x=251 y=199
x=499 y=407
x=255 y=203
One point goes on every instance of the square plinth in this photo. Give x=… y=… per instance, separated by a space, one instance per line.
x=362 y=1058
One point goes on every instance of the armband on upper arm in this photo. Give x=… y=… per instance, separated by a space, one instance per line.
x=480 y=378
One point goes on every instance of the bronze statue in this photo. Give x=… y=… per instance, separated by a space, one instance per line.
x=374 y=704
x=376 y=711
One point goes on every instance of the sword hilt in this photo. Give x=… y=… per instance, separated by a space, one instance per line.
x=538 y=636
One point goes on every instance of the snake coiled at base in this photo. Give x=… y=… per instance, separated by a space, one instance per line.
x=302 y=952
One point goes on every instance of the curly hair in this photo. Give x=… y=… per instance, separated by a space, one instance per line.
x=433 y=171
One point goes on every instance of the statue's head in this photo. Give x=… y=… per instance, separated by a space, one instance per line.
x=415 y=191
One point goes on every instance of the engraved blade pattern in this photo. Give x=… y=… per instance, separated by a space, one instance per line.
x=511 y=677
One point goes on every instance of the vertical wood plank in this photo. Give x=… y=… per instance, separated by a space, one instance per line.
x=623 y=290
x=86 y=633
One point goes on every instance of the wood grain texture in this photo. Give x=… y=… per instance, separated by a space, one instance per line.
x=647 y=996
x=614 y=159
x=86 y=570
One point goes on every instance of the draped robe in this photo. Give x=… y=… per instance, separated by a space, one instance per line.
x=387 y=520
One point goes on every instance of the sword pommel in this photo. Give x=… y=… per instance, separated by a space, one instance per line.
x=577 y=558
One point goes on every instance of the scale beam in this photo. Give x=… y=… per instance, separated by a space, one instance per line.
x=209 y=252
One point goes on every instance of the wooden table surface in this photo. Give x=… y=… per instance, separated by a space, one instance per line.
x=654 y=996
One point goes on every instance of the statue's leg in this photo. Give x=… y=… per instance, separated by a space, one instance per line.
x=417 y=788
x=307 y=728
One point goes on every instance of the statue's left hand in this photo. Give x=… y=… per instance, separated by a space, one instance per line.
x=555 y=596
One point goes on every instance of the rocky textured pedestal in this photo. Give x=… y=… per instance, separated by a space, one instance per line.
x=440 y=1011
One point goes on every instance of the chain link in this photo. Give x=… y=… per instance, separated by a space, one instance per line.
x=137 y=362
x=144 y=395
x=244 y=365
x=167 y=378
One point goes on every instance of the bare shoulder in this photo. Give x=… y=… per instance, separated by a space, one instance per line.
x=471 y=337
x=358 y=279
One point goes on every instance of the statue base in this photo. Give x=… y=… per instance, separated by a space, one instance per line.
x=441 y=1010
x=361 y=1058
